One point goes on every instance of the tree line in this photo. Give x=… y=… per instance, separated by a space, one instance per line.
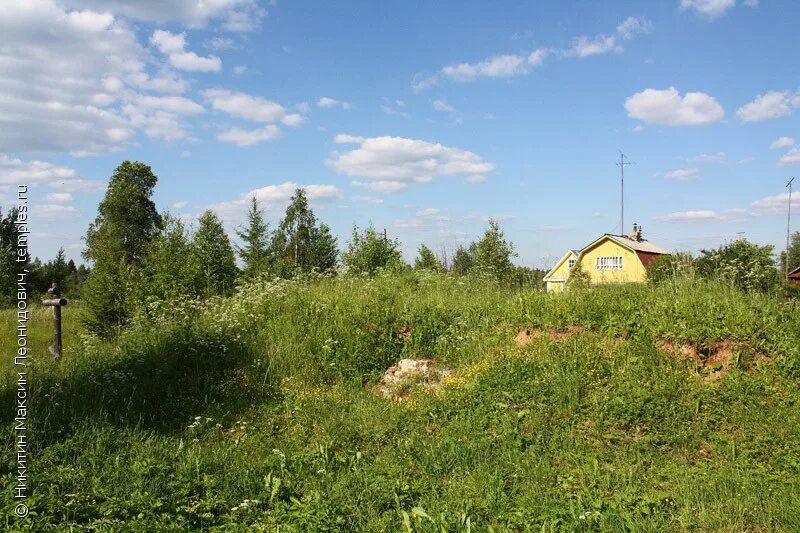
x=140 y=255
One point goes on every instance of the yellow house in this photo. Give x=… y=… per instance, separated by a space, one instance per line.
x=554 y=280
x=609 y=259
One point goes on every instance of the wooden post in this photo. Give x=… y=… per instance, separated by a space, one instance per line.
x=56 y=303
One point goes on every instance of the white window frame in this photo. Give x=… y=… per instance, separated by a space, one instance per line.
x=609 y=262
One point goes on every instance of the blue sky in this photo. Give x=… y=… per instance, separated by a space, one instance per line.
x=425 y=118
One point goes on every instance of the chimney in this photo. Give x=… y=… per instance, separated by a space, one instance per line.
x=635 y=233
x=639 y=234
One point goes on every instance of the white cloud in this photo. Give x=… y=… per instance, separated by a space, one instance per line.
x=368 y=200
x=633 y=26
x=250 y=137
x=15 y=171
x=475 y=179
x=685 y=216
x=52 y=212
x=777 y=204
x=79 y=185
x=173 y=45
x=58 y=197
x=172 y=104
x=682 y=174
x=589 y=46
x=783 y=142
x=274 y=197
x=239 y=69
x=220 y=43
x=444 y=107
x=773 y=104
x=792 y=157
x=381 y=186
x=717 y=157
x=510 y=65
x=235 y=15
x=667 y=107
x=328 y=102
x=243 y=105
x=180 y=205
x=710 y=8
x=392 y=163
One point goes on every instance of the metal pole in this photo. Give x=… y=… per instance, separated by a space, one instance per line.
x=788 y=231
x=621 y=194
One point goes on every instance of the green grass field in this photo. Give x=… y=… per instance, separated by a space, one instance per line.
x=258 y=411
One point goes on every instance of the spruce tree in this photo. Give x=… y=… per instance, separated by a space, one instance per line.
x=213 y=256
x=254 y=252
x=427 y=260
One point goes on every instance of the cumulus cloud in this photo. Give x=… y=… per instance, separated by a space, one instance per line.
x=52 y=212
x=682 y=174
x=273 y=198
x=668 y=107
x=245 y=106
x=713 y=8
x=792 y=157
x=58 y=197
x=773 y=104
x=328 y=102
x=79 y=81
x=15 y=171
x=589 y=46
x=782 y=142
x=173 y=45
x=244 y=137
x=776 y=204
x=234 y=15
x=393 y=163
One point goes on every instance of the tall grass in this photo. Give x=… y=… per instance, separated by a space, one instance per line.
x=257 y=411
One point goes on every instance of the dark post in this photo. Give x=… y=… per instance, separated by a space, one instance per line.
x=56 y=303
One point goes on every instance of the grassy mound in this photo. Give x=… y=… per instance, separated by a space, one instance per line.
x=616 y=413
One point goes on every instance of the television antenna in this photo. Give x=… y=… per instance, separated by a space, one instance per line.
x=621 y=165
x=788 y=230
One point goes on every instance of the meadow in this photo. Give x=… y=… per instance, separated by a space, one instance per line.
x=630 y=407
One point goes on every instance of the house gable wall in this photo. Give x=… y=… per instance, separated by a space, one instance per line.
x=632 y=268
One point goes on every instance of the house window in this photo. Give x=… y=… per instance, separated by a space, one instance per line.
x=609 y=263
x=571 y=263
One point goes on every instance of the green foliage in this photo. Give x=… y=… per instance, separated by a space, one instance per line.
x=213 y=255
x=257 y=412
x=10 y=267
x=744 y=264
x=463 y=260
x=794 y=254
x=170 y=269
x=370 y=251
x=671 y=267
x=528 y=278
x=127 y=221
x=427 y=260
x=299 y=244
x=255 y=237
x=578 y=278
x=492 y=257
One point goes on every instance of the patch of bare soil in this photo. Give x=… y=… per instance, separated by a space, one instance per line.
x=526 y=335
x=399 y=380
x=712 y=359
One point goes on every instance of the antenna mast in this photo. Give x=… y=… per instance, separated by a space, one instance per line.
x=788 y=231
x=621 y=165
